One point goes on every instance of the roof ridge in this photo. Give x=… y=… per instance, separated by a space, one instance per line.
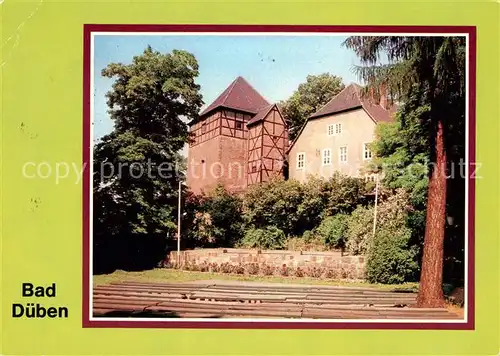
x=252 y=87
x=336 y=95
x=230 y=89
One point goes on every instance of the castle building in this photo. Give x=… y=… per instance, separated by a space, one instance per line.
x=338 y=136
x=238 y=140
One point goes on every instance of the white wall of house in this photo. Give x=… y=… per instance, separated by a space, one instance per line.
x=320 y=139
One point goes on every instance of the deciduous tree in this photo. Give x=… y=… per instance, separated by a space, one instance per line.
x=310 y=96
x=137 y=166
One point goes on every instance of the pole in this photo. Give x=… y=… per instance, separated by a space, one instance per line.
x=179 y=226
x=375 y=208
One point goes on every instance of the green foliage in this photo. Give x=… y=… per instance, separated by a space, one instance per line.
x=390 y=260
x=150 y=94
x=294 y=207
x=359 y=230
x=427 y=74
x=216 y=219
x=333 y=230
x=137 y=166
x=273 y=203
x=343 y=194
x=309 y=97
x=268 y=238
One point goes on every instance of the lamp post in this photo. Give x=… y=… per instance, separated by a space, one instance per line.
x=375 y=208
x=179 y=226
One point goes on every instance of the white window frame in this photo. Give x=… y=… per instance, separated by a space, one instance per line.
x=334 y=129
x=346 y=154
x=303 y=160
x=365 y=150
x=328 y=157
x=338 y=129
x=370 y=178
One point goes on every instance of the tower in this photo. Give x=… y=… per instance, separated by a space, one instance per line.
x=239 y=139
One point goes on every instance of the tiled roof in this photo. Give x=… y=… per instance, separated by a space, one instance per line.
x=239 y=95
x=261 y=114
x=351 y=98
x=348 y=99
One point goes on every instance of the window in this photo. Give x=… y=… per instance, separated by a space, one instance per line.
x=334 y=129
x=254 y=169
x=239 y=125
x=370 y=178
x=327 y=156
x=343 y=154
x=301 y=160
x=203 y=127
x=367 y=153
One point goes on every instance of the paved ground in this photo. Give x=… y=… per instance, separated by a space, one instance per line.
x=233 y=299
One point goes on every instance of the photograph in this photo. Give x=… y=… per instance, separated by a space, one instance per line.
x=249 y=178
x=279 y=177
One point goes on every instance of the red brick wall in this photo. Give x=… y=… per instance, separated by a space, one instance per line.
x=199 y=175
x=224 y=162
x=233 y=153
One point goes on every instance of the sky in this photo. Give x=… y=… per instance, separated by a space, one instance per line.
x=273 y=65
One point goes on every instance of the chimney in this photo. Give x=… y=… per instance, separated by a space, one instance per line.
x=383 y=96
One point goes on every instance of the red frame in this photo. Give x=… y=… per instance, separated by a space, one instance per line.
x=88 y=28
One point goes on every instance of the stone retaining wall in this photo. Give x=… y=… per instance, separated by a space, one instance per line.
x=331 y=263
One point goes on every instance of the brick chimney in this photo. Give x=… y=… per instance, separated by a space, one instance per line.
x=383 y=96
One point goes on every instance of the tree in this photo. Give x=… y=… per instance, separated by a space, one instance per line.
x=137 y=166
x=309 y=97
x=435 y=66
x=217 y=220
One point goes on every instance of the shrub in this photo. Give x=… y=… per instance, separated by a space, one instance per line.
x=333 y=231
x=308 y=242
x=226 y=268
x=284 y=270
x=390 y=260
x=331 y=273
x=295 y=207
x=266 y=270
x=204 y=267
x=252 y=268
x=359 y=230
x=298 y=272
x=239 y=269
x=314 y=272
x=214 y=220
x=268 y=238
x=213 y=267
x=344 y=194
x=273 y=203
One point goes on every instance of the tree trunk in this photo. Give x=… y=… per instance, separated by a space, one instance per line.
x=430 y=293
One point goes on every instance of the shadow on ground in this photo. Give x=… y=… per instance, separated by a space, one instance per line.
x=144 y=314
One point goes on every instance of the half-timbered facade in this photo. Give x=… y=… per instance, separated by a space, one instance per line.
x=238 y=140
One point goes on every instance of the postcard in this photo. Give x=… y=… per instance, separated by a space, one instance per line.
x=249 y=178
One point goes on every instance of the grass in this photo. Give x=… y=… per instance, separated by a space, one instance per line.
x=173 y=275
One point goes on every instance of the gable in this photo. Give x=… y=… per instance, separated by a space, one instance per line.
x=239 y=95
x=317 y=129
